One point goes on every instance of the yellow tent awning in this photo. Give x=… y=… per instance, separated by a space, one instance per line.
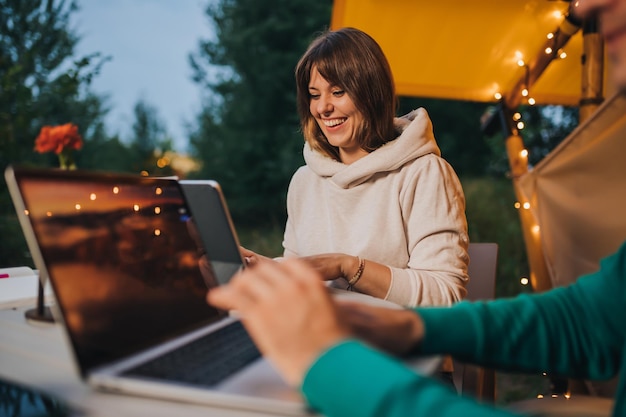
x=468 y=50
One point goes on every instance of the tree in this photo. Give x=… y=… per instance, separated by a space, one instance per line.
x=149 y=139
x=40 y=83
x=247 y=134
x=457 y=129
x=546 y=127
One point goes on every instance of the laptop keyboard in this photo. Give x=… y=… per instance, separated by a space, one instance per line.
x=205 y=361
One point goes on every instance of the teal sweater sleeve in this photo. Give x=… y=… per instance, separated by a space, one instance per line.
x=352 y=379
x=572 y=331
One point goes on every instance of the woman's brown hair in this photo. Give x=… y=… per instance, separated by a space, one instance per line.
x=352 y=60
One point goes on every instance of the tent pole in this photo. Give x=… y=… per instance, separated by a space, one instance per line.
x=593 y=70
x=568 y=27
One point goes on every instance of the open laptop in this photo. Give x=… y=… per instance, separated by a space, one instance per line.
x=215 y=227
x=130 y=276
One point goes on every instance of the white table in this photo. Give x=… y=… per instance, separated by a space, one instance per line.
x=36 y=356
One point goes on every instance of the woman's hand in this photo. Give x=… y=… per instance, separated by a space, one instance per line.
x=250 y=257
x=333 y=265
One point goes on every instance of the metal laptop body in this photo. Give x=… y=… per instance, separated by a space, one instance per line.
x=215 y=226
x=129 y=276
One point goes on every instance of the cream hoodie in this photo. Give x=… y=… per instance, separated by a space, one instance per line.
x=401 y=205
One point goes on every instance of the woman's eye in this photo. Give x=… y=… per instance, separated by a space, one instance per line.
x=338 y=93
x=314 y=96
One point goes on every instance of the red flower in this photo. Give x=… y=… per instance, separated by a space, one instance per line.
x=58 y=138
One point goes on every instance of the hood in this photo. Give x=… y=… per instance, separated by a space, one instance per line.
x=415 y=139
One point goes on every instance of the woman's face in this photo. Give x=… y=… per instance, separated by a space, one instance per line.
x=336 y=115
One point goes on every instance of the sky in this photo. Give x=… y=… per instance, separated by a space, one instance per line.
x=149 y=42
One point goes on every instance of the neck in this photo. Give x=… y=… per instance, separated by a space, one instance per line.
x=349 y=156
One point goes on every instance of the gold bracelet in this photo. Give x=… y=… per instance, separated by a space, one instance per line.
x=358 y=274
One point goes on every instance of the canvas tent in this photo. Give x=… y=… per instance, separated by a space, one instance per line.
x=507 y=53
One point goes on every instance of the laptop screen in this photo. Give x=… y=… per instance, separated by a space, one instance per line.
x=123 y=258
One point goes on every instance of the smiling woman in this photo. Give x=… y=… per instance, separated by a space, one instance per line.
x=357 y=209
x=375 y=209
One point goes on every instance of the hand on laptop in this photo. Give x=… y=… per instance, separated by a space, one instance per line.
x=251 y=257
x=292 y=317
x=287 y=310
x=397 y=331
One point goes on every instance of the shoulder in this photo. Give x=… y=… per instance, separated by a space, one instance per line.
x=302 y=174
x=430 y=175
x=430 y=165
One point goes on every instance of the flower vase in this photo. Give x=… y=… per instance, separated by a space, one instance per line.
x=66 y=160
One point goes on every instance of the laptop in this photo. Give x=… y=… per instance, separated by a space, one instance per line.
x=215 y=227
x=129 y=273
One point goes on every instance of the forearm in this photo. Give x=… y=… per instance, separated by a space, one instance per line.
x=547 y=332
x=408 y=287
x=374 y=279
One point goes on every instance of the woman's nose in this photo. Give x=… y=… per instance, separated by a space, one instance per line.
x=324 y=106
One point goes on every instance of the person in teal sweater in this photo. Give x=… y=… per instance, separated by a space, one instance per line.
x=319 y=343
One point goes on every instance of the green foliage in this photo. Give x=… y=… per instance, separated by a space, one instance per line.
x=150 y=138
x=456 y=125
x=248 y=133
x=545 y=128
x=492 y=217
x=41 y=82
x=263 y=240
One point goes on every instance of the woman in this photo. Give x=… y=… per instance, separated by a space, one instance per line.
x=375 y=208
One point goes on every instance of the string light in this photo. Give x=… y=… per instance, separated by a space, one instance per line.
x=524 y=281
x=524 y=153
x=526 y=205
x=521 y=63
x=517 y=205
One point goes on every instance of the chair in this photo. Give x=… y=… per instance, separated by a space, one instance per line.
x=469 y=379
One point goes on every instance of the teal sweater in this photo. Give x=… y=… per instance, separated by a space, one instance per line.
x=574 y=331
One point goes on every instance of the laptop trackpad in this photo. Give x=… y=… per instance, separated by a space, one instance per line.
x=261 y=380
